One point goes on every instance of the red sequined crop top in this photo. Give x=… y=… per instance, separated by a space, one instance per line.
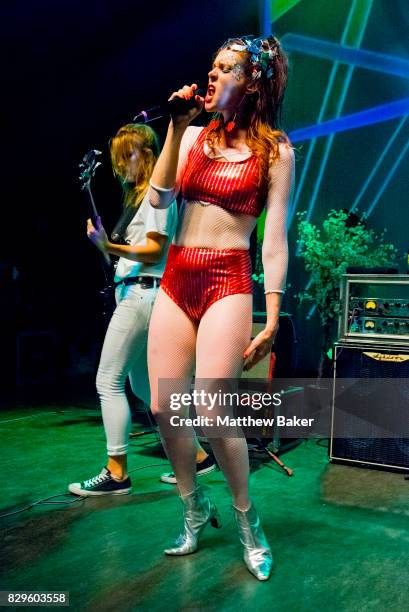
x=230 y=185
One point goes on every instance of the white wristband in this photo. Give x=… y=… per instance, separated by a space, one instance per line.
x=164 y=189
x=273 y=291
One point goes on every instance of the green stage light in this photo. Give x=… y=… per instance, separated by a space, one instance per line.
x=280 y=7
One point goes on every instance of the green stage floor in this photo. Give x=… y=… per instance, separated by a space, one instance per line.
x=340 y=535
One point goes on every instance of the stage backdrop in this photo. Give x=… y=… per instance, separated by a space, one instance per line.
x=74 y=72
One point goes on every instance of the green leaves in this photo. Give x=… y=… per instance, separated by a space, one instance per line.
x=328 y=252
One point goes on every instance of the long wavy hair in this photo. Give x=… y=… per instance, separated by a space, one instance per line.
x=128 y=138
x=260 y=111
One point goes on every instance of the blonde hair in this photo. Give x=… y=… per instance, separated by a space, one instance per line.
x=128 y=138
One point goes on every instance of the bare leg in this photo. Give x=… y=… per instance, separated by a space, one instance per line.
x=224 y=333
x=171 y=355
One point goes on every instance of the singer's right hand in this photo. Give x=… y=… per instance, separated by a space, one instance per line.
x=187 y=92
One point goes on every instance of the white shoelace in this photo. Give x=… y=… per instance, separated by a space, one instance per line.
x=97 y=479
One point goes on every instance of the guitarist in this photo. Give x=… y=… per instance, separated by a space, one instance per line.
x=145 y=234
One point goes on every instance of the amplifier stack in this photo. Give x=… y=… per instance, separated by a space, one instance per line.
x=371 y=373
x=374 y=308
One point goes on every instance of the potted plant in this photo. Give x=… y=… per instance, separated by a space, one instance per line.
x=343 y=241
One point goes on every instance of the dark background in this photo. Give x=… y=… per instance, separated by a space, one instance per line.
x=73 y=72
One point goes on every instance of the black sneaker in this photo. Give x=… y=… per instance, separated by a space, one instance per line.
x=204 y=467
x=103 y=484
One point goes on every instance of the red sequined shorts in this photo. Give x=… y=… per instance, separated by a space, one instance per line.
x=195 y=278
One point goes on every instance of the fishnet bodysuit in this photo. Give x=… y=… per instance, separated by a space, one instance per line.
x=209 y=225
x=215 y=345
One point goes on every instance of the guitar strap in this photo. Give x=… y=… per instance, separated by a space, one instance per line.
x=118 y=233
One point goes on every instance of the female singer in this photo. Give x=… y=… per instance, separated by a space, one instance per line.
x=227 y=173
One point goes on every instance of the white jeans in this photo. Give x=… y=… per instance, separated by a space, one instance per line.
x=124 y=354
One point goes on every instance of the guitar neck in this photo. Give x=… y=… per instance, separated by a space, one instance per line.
x=105 y=258
x=94 y=212
x=88 y=167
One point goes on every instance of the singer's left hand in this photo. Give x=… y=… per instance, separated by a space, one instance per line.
x=97 y=235
x=259 y=347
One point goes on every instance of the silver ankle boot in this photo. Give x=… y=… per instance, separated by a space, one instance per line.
x=198 y=511
x=257 y=553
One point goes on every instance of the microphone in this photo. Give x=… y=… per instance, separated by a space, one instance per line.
x=175 y=106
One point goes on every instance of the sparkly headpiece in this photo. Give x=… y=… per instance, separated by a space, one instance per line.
x=262 y=53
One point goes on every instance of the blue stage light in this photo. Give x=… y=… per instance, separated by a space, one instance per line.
x=387 y=179
x=378 y=163
x=371 y=60
x=376 y=114
x=353 y=34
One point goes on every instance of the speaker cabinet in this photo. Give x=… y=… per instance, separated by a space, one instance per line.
x=370 y=399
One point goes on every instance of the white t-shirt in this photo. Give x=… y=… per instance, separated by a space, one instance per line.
x=147 y=219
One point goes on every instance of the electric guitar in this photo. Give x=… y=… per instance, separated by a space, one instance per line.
x=88 y=168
